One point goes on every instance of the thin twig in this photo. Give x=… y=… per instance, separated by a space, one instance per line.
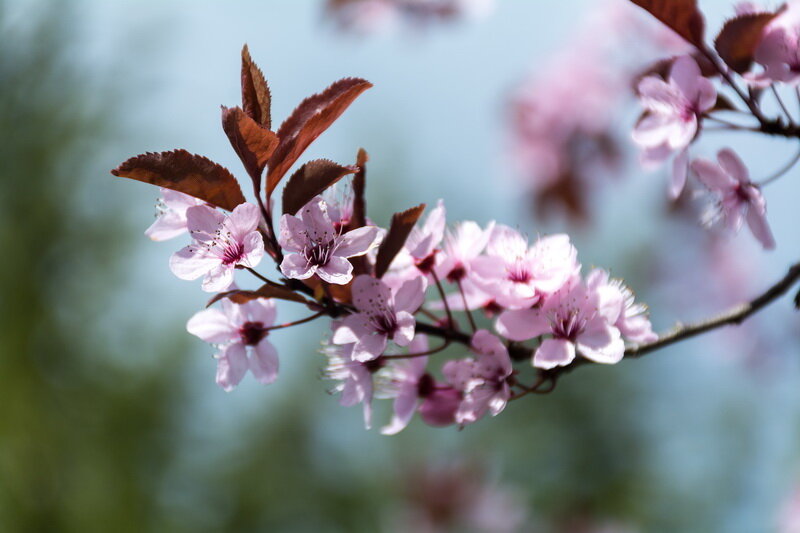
x=297 y=322
x=780 y=103
x=450 y=320
x=466 y=308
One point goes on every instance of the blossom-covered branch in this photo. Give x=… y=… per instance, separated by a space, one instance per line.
x=506 y=299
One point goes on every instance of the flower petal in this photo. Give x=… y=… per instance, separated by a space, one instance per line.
x=337 y=271
x=554 y=352
x=231 y=366
x=212 y=325
x=295 y=266
x=357 y=242
x=264 y=362
x=523 y=324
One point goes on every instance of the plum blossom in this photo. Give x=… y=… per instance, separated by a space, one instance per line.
x=354 y=377
x=316 y=247
x=421 y=253
x=779 y=54
x=171 y=218
x=483 y=380
x=739 y=199
x=673 y=110
x=221 y=243
x=407 y=381
x=518 y=276
x=632 y=320
x=242 y=332
x=383 y=314
x=577 y=317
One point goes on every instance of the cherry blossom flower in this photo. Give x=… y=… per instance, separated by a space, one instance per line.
x=221 y=243
x=517 y=275
x=171 y=219
x=483 y=380
x=739 y=199
x=316 y=247
x=423 y=241
x=577 y=318
x=242 y=332
x=673 y=110
x=407 y=381
x=632 y=320
x=461 y=247
x=779 y=54
x=383 y=315
x=354 y=377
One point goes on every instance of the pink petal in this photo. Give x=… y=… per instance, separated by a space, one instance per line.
x=167 y=226
x=204 y=221
x=370 y=294
x=337 y=271
x=260 y=310
x=685 y=74
x=218 y=279
x=680 y=168
x=295 y=266
x=404 y=406
x=732 y=164
x=244 y=219
x=601 y=343
x=507 y=243
x=351 y=329
x=711 y=175
x=405 y=328
x=439 y=409
x=253 y=249
x=291 y=234
x=554 y=352
x=410 y=295
x=659 y=97
x=357 y=242
x=191 y=263
x=212 y=325
x=318 y=223
x=264 y=362
x=369 y=347
x=231 y=366
x=757 y=220
x=522 y=324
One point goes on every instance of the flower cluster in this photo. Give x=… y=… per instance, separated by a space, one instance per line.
x=755 y=51
x=399 y=298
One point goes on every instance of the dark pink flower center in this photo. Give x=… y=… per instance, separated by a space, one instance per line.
x=518 y=272
x=319 y=253
x=384 y=323
x=252 y=333
x=426 y=385
x=232 y=253
x=457 y=273
x=568 y=324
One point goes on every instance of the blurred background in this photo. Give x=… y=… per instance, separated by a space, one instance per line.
x=109 y=415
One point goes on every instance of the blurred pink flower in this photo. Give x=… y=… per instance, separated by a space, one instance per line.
x=242 y=332
x=673 y=110
x=738 y=198
x=221 y=243
x=383 y=315
x=406 y=381
x=171 y=219
x=316 y=247
x=354 y=377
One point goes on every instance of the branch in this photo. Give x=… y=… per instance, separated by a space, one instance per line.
x=734 y=316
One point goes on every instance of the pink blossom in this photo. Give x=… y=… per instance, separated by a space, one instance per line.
x=577 y=317
x=407 y=381
x=423 y=241
x=316 y=247
x=673 y=112
x=483 y=380
x=461 y=247
x=739 y=199
x=779 y=54
x=171 y=219
x=518 y=276
x=221 y=243
x=242 y=331
x=618 y=300
x=354 y=377
x=439 y=407
x=383 y=315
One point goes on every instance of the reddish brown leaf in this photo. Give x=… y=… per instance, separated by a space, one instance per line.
x=682 y=16
x=310 y=180
x=401 y=226
x=252 y=143
x=307 y=122
x=256 y=98
x=184 y=172
x=737 y=42
x=266 y=291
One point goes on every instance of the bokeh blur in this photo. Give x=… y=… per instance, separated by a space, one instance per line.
x=109 y=416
